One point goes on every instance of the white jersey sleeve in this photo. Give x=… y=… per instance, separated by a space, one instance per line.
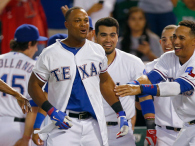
x=104 y=65
x=41 y=68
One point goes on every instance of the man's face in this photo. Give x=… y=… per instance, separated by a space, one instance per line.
x=183 y=42
x=78 y=24
x=107 y=37
x=166 y=40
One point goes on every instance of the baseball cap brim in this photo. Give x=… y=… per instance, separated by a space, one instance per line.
x=41 y=38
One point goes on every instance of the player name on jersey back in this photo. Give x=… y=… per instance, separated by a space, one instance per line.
x=18 y=64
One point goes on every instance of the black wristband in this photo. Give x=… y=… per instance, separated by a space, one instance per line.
x=46 y=106
x=117 y=107
x=136 y=98
x=150 y=123
x=141 y=88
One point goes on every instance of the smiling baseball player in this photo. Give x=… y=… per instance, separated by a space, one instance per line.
x=178 y=65
x=75 y=70
x=123 y=68
x=167 y=121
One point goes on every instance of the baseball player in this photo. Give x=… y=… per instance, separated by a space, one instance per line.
x=75 y=70
x=167 y=121
x=123 y=68
x=178 y=65
x=16 y=67
x=41 y=114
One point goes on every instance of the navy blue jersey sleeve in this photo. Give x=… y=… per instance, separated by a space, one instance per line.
x=184 y=85
x=154 y=77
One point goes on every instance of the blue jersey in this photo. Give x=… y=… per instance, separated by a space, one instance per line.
x=79 y=100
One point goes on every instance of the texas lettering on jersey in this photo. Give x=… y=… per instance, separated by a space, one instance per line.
x=63 y=73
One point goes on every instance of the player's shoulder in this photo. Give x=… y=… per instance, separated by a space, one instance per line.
x=96 y=47
x=51 y=50
x=150 y=65
x=17 y=55
x=127 y=57
x=168 y=55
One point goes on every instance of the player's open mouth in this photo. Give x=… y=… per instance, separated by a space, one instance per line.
x=177 y=49
x=83 y=31
x=108 y=46
x=168 y=49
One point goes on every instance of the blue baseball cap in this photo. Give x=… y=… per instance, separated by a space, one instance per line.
x=26 y=33
x=90 y=23
x=53 y=38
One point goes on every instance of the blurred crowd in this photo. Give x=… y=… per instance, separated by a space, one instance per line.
x=141 y=21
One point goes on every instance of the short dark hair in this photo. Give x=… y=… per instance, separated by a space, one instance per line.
x=69 y=11
x=190 y=24
x=20 y=46
x=107 y=21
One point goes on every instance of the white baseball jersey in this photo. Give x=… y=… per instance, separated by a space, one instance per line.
x=57 y=66
x=169 y=66
x=124 y=68
x=15 y=70
x=165 y=114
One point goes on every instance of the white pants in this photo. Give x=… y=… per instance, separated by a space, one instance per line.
x=82 y=133
x=165 y=137
x=10 y=131
x=127 y=140
x=186 y=136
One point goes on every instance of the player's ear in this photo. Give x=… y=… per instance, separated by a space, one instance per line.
x=193 y=42
x=160 y=41
x=66 y=24
x=29 y=43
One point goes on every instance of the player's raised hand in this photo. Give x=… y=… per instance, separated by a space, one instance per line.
x=125 y=90
x=23 y=103
x=150 y=138
x=36 y=139
x=64 y=9
x=59 y=118
x=123 y=123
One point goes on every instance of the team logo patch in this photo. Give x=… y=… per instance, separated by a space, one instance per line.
x=191 y=74
x=189 y=71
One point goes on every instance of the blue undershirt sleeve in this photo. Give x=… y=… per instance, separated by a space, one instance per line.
x=184 y=85
x=154 y=77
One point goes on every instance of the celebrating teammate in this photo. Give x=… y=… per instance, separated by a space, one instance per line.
x=123 y=68
x=167 y=121
x=179 y=66
x=75 y=69
x=16 y=68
